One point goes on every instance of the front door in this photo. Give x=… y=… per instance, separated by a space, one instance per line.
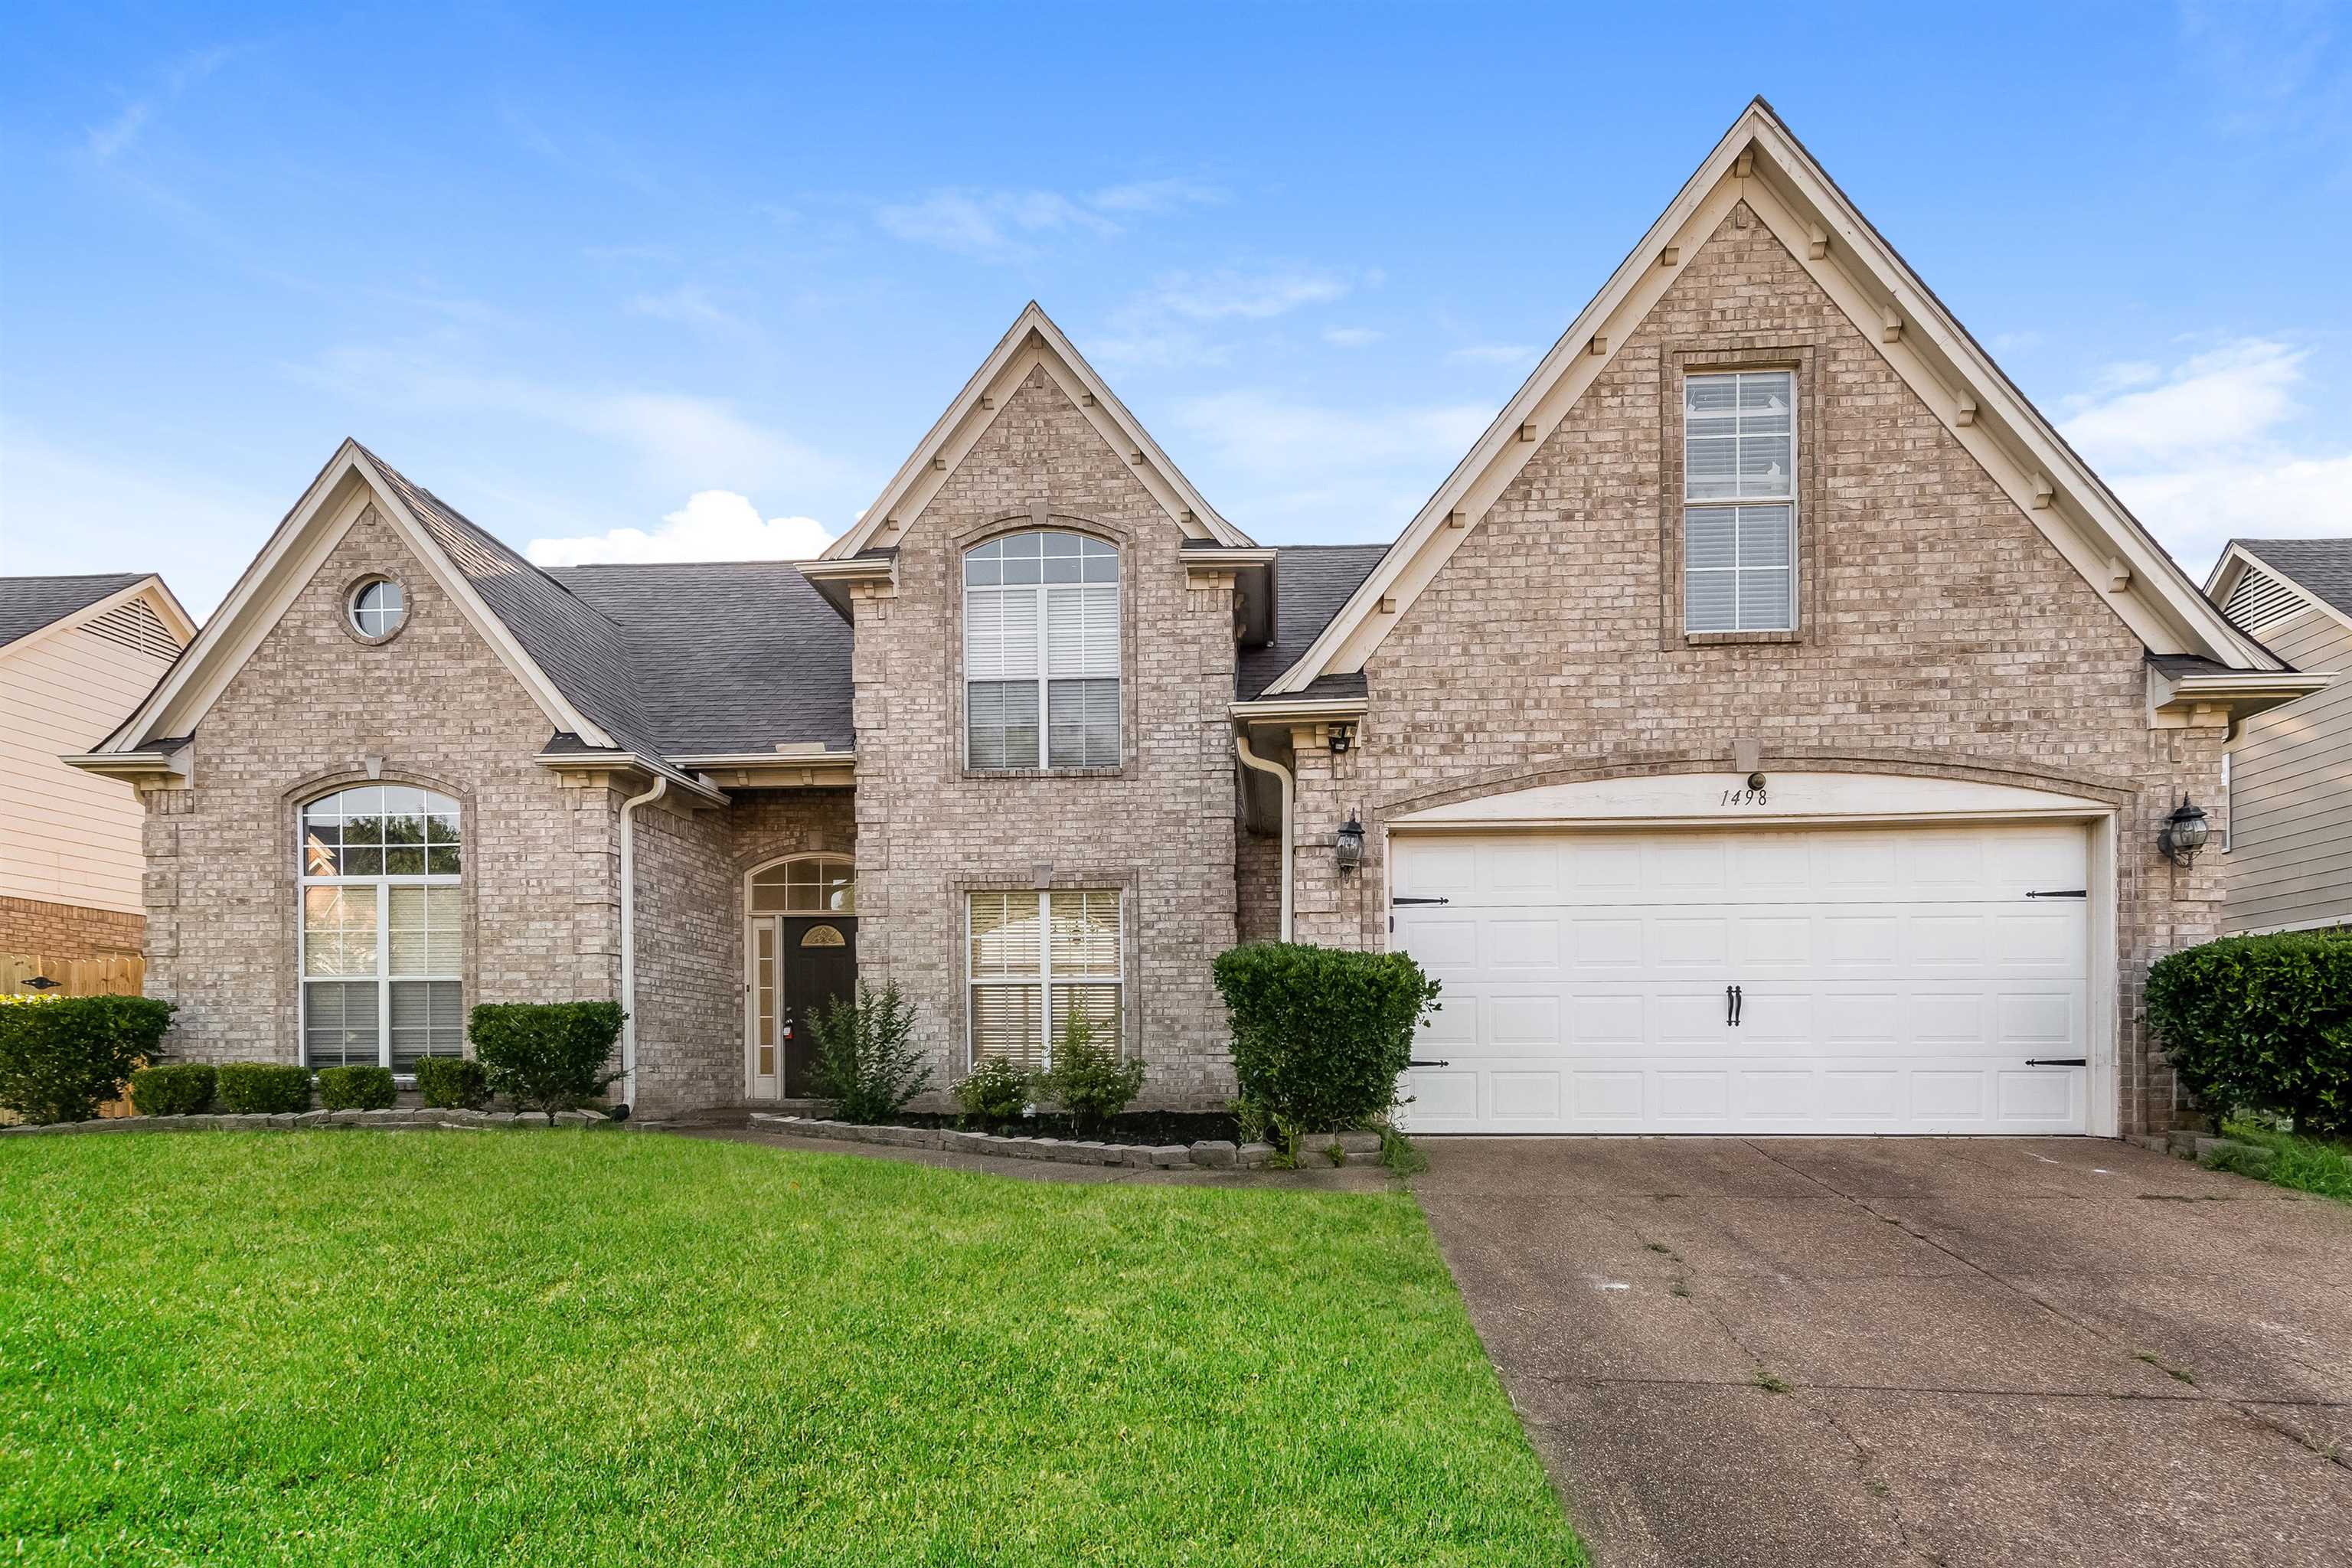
x=799 y=963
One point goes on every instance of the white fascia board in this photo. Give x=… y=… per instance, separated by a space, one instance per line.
x=2161 y=606
x=1032 y=339
x=309 y=534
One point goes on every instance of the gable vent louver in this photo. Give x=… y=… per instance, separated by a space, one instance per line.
x=137 y=627
x=2262 y=601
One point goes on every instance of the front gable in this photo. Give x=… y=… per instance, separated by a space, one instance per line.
x=1759 y=175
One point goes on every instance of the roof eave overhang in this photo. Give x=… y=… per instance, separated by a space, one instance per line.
x=140 y=767
x=1255 y=581
x=619 y=761
x=2177 y=701
x=1299 y=709
x=775 y=770
x=837 y=582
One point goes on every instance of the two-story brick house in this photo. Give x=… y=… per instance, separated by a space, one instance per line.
x=1769 y=726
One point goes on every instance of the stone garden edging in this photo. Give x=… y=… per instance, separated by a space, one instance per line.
x=290 y=1121
x=1358 y=1148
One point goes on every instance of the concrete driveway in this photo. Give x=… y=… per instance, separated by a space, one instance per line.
x=2027 y=1350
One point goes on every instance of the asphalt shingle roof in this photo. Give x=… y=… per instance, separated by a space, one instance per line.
x=2320 y=566
x=1312 y=583
x=28 y=604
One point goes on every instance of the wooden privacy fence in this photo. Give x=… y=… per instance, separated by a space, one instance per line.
x=110 y=975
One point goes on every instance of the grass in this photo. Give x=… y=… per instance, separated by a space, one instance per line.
x=2308 y=1164
x=618 y=1348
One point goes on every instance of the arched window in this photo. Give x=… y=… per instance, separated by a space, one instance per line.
x=383 y=942
x=806 y=885
x=1041 y=653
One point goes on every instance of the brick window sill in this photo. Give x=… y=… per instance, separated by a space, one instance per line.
x=1729 y=639
x=992 y=774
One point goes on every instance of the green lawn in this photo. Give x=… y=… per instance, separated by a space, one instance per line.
x=2308 y=1164
x=553 y=1347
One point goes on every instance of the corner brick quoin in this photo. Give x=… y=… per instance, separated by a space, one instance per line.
x=1943 y=634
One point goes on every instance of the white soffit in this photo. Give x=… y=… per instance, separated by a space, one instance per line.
x=1931 y=352
x=1032 y=341
x=296 y=551
x=1724 y=800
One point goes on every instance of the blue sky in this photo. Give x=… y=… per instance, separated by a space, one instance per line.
x=633 y=284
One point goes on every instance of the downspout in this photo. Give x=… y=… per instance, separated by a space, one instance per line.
x=629 y=935
x=1265 y=765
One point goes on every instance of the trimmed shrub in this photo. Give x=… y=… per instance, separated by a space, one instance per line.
x=452 y=1083
x=865 y=1061
x=183 y=1089
x=356 y=1088
x=995 y=1091
x=2262 y=1023
x=61 y=1057
x=263 y=1088
x=1087 y=1080
x=1320 y=1035
x=546 y=1056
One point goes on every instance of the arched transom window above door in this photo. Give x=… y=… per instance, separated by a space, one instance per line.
x=1041 y=653
x=806 y=885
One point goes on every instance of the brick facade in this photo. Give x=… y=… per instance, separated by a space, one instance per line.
x=1161 y=826
x=1943 y=633
x=37 y=928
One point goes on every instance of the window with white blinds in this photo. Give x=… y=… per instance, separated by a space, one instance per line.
x=383 y=931
x=1041 y=653
x=1740 y=511
x=1036 y=960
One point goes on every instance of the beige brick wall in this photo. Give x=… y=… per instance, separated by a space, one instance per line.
x=1162 y=826
x=302 y=717
x=1944 y=634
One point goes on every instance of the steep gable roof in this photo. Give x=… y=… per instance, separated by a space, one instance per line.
x=1032 y=339
x=1311 y=583
x=29 y=604
x=2321 y=568
x=1759 y=162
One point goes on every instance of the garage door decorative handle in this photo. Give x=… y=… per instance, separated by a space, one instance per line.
x=1395 y=902
x=1421 y=1064
x=1731 y=1003
x=2057 y=1061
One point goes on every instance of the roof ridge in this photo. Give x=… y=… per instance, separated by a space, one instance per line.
x=72 y=576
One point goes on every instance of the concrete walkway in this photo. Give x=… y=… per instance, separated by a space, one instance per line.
x=1827 y=1351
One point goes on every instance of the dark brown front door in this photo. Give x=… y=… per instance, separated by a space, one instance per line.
x=820 y=963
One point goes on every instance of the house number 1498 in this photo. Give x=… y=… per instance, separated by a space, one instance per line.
x=1743 y=797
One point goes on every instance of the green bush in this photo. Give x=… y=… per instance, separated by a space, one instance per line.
x=2260 y=1023
x=356 y=1088
x=183 y=1089
x=1089 y=1081
x=995 y=1091
x=263 y=1088
x=864 y=1061
x=546 y=1056
x=1320 y=1035
x=61 y=1057
x=452 y=1083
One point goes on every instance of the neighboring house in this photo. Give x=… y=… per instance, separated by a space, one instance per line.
x=2287 y=777
x=76 y=655
x=1767 y=727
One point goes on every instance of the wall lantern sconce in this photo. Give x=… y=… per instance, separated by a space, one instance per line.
x=2184 y=833
x=1343 y=736
x=1347 y=845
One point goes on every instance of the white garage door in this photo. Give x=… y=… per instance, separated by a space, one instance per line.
x=1868 y=980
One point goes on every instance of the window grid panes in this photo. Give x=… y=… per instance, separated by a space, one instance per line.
x=378 y=608
x=383 y=930
x=812 y=885
x=1041 y=653
x=1740 y=448
x=1037 y=959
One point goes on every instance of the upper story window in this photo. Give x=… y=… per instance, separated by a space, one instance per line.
x=383 y=939
x=378 y=607
x=1041 y=653
x=1739 y=501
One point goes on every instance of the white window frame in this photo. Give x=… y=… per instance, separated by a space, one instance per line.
x=1046 y=979
x=1735 y=504
x=1044 y=678
x=304 y=979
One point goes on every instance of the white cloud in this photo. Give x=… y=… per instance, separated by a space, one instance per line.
x=987 y=224
x=713 y=525
x=1226 y=294
x=1155 y=195
x=1351 y=337
x=689 y=304
x=1270 y=434
x=1493 y=353
x=107 y=142
x=2201 y=452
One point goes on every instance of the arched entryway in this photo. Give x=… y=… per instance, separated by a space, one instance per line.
x=800 y=951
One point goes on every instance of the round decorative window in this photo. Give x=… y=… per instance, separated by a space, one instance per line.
x=378 y=607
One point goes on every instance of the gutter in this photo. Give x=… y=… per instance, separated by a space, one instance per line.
x=1252 y=760
x=629 y=935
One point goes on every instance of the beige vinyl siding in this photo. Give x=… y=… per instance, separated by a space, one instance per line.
x=71 y=838
x=2290 y=857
